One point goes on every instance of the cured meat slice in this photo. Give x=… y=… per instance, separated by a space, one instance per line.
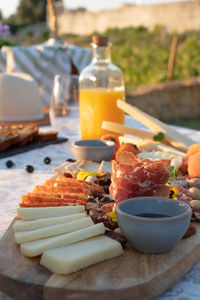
x=62 y=196
x=41 y=199
x=61 y=190
x=75 y=182
x=133 y=176
x=55 y=183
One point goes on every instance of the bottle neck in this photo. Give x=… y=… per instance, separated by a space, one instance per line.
x=101 y=54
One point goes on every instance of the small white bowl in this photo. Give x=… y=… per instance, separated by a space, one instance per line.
x=95 y=150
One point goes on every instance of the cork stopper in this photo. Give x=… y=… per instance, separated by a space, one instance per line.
x=100 y=40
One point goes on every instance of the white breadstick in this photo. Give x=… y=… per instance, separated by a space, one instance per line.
x=119 y=128
x=175 y=138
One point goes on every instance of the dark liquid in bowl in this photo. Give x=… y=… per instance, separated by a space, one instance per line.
x=152 y=215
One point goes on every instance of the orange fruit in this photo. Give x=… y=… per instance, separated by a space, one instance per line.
x=129 y=148
x=194 y=165
x=193 y=149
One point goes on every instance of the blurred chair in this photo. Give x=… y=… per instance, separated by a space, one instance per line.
x=44 y=61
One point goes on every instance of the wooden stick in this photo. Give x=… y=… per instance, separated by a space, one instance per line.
x=175 y=138
x=52 y=18
x=172 y=57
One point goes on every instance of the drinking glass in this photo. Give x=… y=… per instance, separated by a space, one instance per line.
x=64 y=108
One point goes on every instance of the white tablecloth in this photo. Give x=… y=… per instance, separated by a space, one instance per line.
x=16 y=181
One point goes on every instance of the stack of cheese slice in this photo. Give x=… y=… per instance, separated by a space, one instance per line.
x=65 y=236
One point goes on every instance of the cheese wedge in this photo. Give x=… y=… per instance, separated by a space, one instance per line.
x=40 y=223
x=37 y=247
x=77 y=256
x=26 y=236
x=33 y=213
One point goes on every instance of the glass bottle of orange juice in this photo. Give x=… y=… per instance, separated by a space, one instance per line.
x=100 y=85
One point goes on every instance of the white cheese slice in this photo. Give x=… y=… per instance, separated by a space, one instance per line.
x=105 y=167
x=77 y=256
x=176 y=161
x=33 y=213
x=61 y=169
x=156 y=155
x=26 y=236
x=20 y=225
x=72 y=168
x=37 y=247
x=89 y=166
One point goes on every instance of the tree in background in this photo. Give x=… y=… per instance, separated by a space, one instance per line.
x=31 y=11
x=52 y=18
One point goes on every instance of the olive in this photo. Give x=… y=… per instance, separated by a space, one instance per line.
x=68 y=175
x=71 y=160
x=9 y=164
x=47 y=160
x=29 y=168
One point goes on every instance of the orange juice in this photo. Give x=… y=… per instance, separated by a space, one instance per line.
x=98 y=105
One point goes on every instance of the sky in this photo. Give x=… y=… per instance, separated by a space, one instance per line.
x=9 y=7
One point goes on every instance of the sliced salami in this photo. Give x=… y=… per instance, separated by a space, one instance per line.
x=133 y=176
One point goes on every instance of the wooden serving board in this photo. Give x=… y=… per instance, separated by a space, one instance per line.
x=132 y=275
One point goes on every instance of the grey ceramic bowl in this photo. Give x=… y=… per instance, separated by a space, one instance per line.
x=153 y=235
x=95 y=150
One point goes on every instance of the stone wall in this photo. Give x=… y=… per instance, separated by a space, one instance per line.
x=179 y=99
x=176 y=16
